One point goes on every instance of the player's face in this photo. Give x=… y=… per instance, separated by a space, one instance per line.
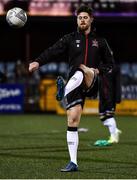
x=84 y=21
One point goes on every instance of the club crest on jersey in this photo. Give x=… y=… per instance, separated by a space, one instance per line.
x=95 y=43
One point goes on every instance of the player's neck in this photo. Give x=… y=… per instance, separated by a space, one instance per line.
x=87 y=31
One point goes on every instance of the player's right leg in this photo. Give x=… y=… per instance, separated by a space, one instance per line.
x=74 y=82
x=90 y=76
x=60 y=88
x=83 y=75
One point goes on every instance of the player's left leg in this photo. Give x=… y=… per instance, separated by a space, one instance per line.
x=109 y=121
x=74 y=100
x=107 y=106
x=73 y=116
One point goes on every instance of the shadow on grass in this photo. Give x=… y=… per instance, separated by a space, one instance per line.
x=46 y=148
x=129 y=143
x=30 y=135
x=58 y=157
x=52 y=148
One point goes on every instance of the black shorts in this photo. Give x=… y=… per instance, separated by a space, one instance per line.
x=78 y=95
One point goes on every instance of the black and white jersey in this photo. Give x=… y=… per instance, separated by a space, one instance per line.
x=89 y=50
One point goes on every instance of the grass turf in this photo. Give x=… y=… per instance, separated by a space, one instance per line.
x=34 y=147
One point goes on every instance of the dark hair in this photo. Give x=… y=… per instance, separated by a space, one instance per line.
x=84 y=8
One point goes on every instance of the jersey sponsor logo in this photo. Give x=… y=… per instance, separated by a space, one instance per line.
x=78 y=42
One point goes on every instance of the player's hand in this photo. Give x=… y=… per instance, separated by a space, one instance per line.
x=97 y=71
x=33 y=66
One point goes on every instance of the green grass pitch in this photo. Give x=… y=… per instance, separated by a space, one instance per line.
x=34 y=147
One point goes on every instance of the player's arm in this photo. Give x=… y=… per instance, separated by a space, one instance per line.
x=51 y=54
x=33 y=66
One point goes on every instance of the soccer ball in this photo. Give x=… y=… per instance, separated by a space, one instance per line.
x=16 y=17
